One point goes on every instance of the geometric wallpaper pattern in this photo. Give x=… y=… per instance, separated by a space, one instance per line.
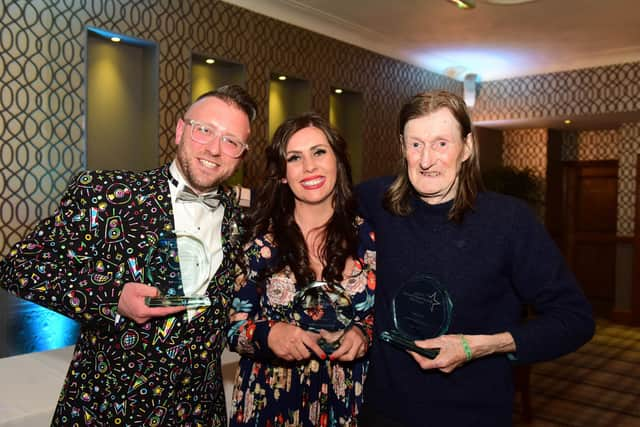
x=42 y=85
x=607 y=89
x=527 y=149
x=590 y=145
x=592 y=91
x=40 y=110
x=629 y=146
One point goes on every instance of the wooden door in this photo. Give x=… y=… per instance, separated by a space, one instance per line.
x=635 y=286
x=590 y=202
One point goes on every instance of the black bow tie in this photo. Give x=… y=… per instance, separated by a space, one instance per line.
x=210 y=200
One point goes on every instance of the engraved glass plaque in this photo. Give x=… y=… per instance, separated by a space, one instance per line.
x=179 y=264
x=326 y=309
x=421 y=309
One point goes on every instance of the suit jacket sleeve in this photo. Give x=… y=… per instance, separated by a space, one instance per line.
x=55 y=266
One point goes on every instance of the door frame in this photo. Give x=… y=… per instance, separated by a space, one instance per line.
x=568 y=236
x=635 y=283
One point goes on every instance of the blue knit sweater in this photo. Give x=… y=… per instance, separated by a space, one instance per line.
x=498 y=259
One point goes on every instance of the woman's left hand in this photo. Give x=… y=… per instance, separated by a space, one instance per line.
x=354 y=345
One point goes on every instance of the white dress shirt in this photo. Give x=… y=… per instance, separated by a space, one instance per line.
x=200 y=221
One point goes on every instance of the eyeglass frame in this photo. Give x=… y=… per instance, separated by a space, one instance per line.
x=217 y=133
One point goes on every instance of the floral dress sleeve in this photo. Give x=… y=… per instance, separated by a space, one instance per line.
x=362 y=284
x=249 y=326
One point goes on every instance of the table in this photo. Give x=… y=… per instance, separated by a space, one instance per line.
x=31 y=384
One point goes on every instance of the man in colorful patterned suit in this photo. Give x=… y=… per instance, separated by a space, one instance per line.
x=98 y=257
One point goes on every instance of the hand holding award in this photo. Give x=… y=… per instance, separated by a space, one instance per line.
x=180 y=265
x=326 y=309
x=421 y=310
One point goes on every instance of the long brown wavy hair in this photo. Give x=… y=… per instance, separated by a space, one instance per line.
x=397 y=198
x=273 y=209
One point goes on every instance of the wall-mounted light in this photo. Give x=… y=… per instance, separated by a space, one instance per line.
x=463 y=4
x=115 y=39
x=283 y=78
x=508 y=2
x=337 y=90
x=567 y=122
x=470 y=90
x=210 y=61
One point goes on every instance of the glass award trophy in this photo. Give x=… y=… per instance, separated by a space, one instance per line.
x=421 y=309
x=324 y=308
x=177 y=264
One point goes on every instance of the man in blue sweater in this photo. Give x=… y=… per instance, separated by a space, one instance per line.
x=488 y=256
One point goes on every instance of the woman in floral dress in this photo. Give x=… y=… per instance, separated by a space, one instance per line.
x=305 y=233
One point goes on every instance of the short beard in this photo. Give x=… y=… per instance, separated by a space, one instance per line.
x=201 y=187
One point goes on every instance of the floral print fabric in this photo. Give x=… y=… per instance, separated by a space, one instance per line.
x=273 y=392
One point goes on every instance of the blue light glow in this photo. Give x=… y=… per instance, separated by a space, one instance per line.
x=123 y=38
x=34 y=328
x=456 y=62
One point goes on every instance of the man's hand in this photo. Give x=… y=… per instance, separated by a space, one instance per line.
x=131 y=303
x=450 y=357
x=290 y=342
x=453 y=353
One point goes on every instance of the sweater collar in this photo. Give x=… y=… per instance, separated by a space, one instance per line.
x=424 y=208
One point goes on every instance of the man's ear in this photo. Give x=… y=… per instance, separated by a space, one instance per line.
x=468 y=146
x=179 y=130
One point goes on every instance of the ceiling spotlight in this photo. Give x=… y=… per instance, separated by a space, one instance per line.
x=115 y=39
x=210 y=61
x=567 y=122
x=508 y=2
x=464 y=4
x=337 y=90
x=282 y=78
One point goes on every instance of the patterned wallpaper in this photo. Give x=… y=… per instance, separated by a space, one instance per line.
x=527 y=149
x=42 y=79
x=629 y=149
x=608 y=89
x=590 y=145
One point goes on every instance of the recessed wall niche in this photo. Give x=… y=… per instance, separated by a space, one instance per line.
x=288 y=96
x=345 y=115
x=209 y=73
x=122 y=102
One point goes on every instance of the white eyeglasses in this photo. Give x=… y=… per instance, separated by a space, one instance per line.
x=230 y=145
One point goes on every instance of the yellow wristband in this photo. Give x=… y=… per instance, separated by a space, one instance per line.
x=465 y=346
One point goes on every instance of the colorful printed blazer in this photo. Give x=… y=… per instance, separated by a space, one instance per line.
x=103 y=234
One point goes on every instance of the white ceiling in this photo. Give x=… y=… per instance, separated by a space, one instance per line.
x=492 y=41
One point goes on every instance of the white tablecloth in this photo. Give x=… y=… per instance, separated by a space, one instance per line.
x=30 y=385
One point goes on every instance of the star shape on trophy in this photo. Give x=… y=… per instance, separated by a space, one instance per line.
x=433 y=300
